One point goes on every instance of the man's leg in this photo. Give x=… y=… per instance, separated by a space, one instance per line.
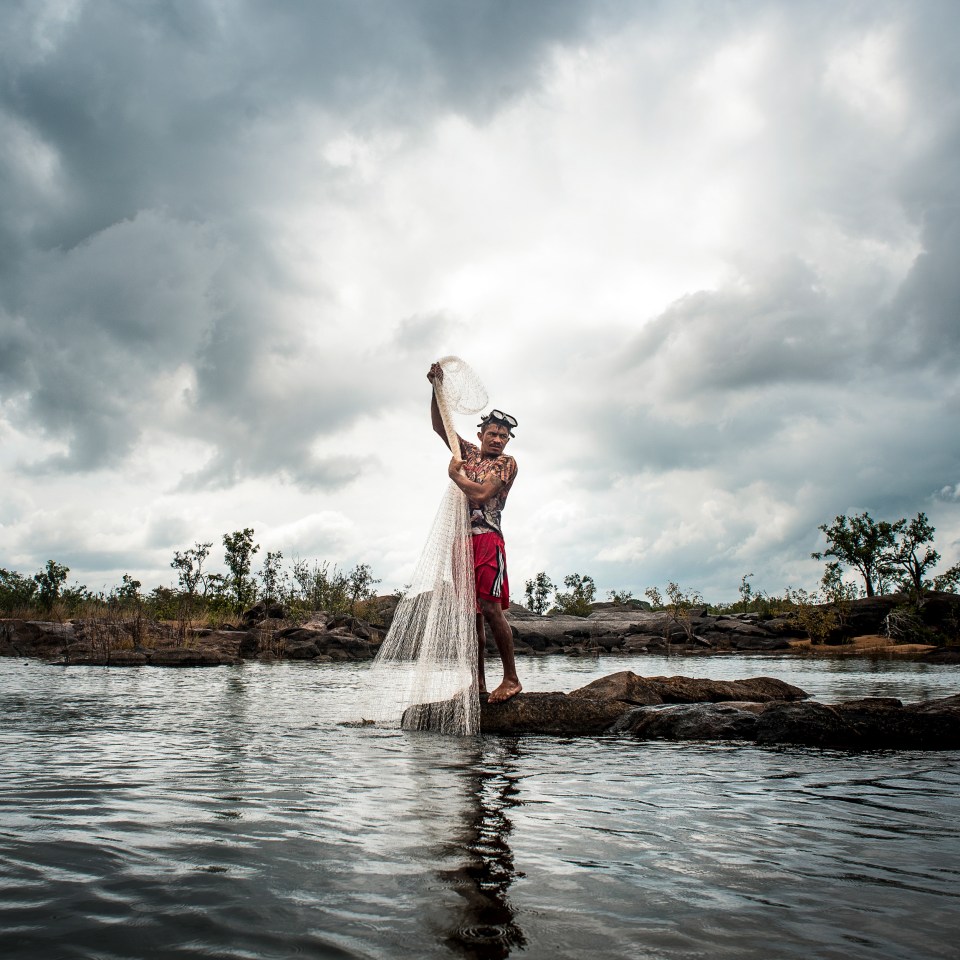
x=481 y=644
x=503 y=637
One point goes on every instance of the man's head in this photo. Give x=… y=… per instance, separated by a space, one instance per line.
x=496 y=430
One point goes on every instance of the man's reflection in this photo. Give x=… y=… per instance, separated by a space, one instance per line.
x=486 y=927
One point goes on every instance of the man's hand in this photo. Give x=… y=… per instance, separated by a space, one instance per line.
x=435 y=373
x=456 y=465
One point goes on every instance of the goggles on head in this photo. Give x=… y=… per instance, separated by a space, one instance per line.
x=498 y=416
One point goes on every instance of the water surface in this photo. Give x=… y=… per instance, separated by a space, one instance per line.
x=226 y=813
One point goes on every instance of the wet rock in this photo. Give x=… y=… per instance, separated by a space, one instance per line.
x=145 y=657
x=113 y=658
x=944 y=704
x=549 y=713
x=690 y=721
x=867 y=724
x=187 y=657
x=808 y=724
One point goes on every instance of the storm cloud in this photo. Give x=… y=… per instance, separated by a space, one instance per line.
x=706 y=253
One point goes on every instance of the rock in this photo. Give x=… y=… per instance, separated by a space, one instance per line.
x=760 y=643
x=866 y=615
x=864 y=725
x=301 y=650
x=265 y=611
x=690 y=721
x=625 y=687
x=937 y=706
x=872 y=703
x=609 y=642
x=249 y=645
x=941 y=611
x=755 y=690
x=784 y=627
x=942 y=655
x=771 y=712
x=534 y=640
x=35 y=638
x=809 y=724
x=186 y=657
x=549 y=713
x=114 y=658
x=740 y=627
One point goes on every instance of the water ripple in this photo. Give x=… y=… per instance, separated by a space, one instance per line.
x=226 y=813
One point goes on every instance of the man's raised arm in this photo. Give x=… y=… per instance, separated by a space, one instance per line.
x=435 y=376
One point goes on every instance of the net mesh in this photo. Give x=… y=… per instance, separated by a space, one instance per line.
x=425 y=674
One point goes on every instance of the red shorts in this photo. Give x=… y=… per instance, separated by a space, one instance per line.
x=490 y=568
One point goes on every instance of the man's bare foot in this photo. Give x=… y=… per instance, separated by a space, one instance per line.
x=506 y=690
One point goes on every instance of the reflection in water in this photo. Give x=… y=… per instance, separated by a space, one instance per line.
x=487 y=927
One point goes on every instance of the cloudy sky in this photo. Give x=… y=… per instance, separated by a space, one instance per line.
x=708 y=254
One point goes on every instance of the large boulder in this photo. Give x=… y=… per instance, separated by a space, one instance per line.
x=35 y=638
x=549 y=713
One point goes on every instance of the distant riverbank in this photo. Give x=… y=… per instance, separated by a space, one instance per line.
x=267 y=633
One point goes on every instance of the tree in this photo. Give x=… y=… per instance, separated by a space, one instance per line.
x=577 y=601
x=655 y=598
x=861 y=543
x=127 y=593
x=189 y=567
x=537 y=592
x=50 y=580
x=240 y=549
x=947 y=582
x=360 y=583
x=680 y=604
x=620 y=597
x=16 y=591
x=745 y=590
x=912 y=551
x=271 y=576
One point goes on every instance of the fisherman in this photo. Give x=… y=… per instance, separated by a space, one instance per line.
x=485 y=474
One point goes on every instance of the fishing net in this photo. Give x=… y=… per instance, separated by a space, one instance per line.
x=425 y=675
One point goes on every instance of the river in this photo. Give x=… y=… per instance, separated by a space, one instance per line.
x=227 y=813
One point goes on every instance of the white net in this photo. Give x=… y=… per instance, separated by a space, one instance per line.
x=425 y=674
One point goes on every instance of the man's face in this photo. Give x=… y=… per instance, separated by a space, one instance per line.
x=493 y=439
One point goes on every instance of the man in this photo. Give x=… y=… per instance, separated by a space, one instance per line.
x=485 y=474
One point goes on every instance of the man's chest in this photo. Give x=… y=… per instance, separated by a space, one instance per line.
x=481 y=469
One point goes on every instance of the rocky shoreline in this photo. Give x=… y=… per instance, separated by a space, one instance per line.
x=267 y=633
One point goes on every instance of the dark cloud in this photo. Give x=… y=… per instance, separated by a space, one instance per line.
x=132 y=173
